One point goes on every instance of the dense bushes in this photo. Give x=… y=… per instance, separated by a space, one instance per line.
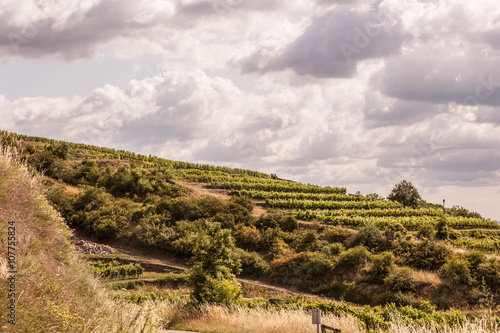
x=383 y=264
x=423 y=255
x=456 y=273
x=400 y=280
x=353 y=259
x=251 y=262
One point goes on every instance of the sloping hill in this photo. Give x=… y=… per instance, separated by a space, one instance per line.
x=44 y=283
x=154 y=203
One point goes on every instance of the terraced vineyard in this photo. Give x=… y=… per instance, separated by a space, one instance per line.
x=332 y=206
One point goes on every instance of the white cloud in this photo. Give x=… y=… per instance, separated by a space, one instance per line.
x=266 y=85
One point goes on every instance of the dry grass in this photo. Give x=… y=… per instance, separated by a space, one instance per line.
x=211 y=318
x=471 y=326
x=426 y=277
x=54 y=290
x=219 y=319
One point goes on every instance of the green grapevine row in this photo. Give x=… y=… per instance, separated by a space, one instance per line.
x=310 y=204
x=262 y=195
x=277 y=186
x=485 y=244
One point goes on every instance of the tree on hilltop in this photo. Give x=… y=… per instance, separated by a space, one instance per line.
x=405 y=193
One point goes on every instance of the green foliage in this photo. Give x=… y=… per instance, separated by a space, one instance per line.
x=456 y=273
x=277 y=220
x=248 y=238
x=400 y=280
x=405 y=193
x=333 y=249
x=337 y=235
x=442 y=229
x=382 y=265
x=353 y=259
x=426 y=231
x=461 y=211
x=423 y=255
x=308 y=241
x=370 y=237
x=114 y=270
x=251 y=262
x=133 y=198
x=316 y=267
x=212 y=277
x=380 y=318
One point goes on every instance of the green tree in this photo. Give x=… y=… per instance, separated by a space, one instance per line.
x=212 y=276
x=405 y=193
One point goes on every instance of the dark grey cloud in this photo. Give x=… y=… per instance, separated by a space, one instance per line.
x=488 y=115
x=333 y=44
x=73 y=35
x=398 y=113
x=491 y=37
x=466 y=78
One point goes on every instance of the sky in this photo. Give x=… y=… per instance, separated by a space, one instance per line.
x=360 y=94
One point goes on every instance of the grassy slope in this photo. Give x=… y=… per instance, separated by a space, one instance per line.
x=54 y=290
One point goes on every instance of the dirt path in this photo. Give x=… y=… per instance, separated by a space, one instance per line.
x=199 y=190
x=159 y=262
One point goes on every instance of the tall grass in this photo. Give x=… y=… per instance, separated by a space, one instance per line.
x=213 y=318
x=55 y=292
x=221 y=319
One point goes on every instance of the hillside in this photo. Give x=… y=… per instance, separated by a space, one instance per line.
x=308 y=239
x=46 y=285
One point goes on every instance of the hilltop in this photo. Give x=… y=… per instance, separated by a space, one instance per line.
x=305 y=238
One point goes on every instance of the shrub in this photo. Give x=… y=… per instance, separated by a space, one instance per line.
x=353 y=259
x=251 y=262
x=475 y=258
x=106 y=227
x=307 y=241
x=287 y=266
x=423 y=255
x=370 y=237
x=489 y=274
x=456 y=273
x=151 y=231
x=316 y=267
x=426 y=231
x=285 y=222
x=400 y=280
x=337 y=234
x=248 y=238
x=383 y=264
x=333 y=249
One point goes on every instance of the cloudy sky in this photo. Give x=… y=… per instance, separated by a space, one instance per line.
x=359 y=94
